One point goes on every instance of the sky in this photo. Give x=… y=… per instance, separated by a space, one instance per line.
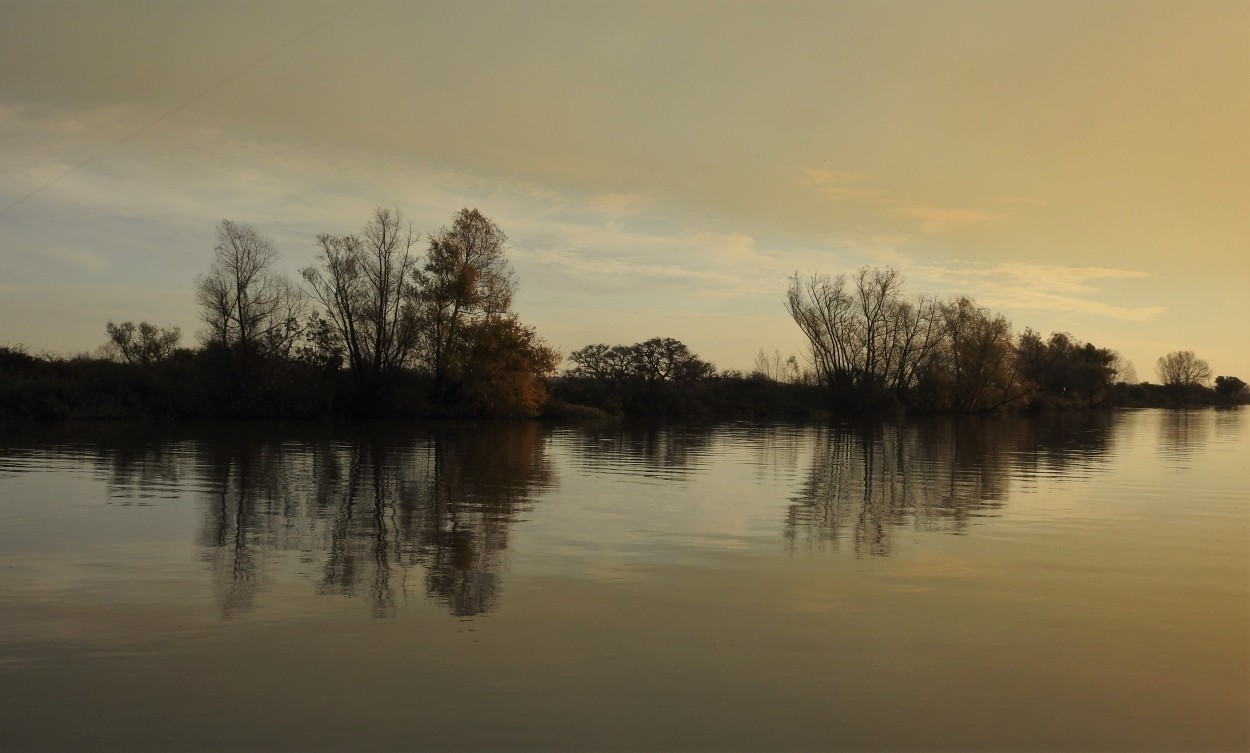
x=660 y=168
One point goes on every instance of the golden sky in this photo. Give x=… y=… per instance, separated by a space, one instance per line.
x=659 y=167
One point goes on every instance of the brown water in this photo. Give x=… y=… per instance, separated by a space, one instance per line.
x=1068 y=583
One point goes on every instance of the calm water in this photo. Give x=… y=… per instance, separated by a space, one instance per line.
x=1072 y=583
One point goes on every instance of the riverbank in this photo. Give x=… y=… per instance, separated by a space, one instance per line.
x=196 y=386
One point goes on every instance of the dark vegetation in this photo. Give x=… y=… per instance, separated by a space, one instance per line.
x=380 y=330
x=877 y=349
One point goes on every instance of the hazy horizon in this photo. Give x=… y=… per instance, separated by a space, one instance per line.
x=659 y=168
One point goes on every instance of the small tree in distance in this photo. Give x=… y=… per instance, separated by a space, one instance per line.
x=1230 y=388
x=660 y=359
x=1124 y=369
x=776 y=369
x=144 y=344
x=1183 y=368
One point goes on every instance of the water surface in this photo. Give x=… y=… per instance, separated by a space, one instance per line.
x=1067 y=583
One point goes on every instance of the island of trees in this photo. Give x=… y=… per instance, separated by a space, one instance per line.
x=389 y=323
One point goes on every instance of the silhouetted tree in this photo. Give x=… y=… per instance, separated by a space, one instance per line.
x=361 y=281
x=464 y=282
x=1183 y=368
x=976 y=368
x=1229 y=388
x=144 y=344
x=601 y=362
x=775 y=368
x=1065 y=368
x=664 y=359
x=660 y=376
x=660 y=359
x=502 y=371
x=865 y=336
x=1124 y=370
x=321 y=346
x=243 y=301
x=825 y=313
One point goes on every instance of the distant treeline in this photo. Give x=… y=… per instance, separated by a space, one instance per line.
x=378 y=330
x=876 y=348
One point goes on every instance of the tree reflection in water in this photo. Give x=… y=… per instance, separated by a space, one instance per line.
x=646 y=449
x=869 y=481
x=1182 y=432
x=383 y=512
x=359 y=513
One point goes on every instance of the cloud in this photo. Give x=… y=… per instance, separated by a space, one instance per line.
x=838 y=186
x=620 y=204
x=846 y=187
x=81 y=260
x=1022 y=201
x=944 y=219
x=1043 y=287
x=637 y=258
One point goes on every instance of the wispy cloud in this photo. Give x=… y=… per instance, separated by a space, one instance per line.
x=1043 y=287
x=846 y=187
x=1022 y=201
x=636 y=258
x=838 y=186
x=82 y=260
x=943 y=219
x=620 y=204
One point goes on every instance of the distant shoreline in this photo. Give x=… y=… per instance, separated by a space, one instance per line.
x=44 y=389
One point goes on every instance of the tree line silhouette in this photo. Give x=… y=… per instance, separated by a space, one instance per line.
x=877 y=348
x=379 y=329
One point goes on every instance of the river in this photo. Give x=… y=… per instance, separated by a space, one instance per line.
x=1067 y=582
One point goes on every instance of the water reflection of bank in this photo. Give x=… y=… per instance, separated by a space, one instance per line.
x=384 y=513
x=371 y=512
x=381 y=513
x=870 y=481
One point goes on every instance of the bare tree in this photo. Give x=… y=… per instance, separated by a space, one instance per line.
x=243 y=301
x=825 y=312
x=1182 y=367
x=917 y=332
x=777 y=369
x=878 y=302
x=143 y=344
x=361 y=282
x=865 y=334
x=465 y=280
x=1123 y=368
